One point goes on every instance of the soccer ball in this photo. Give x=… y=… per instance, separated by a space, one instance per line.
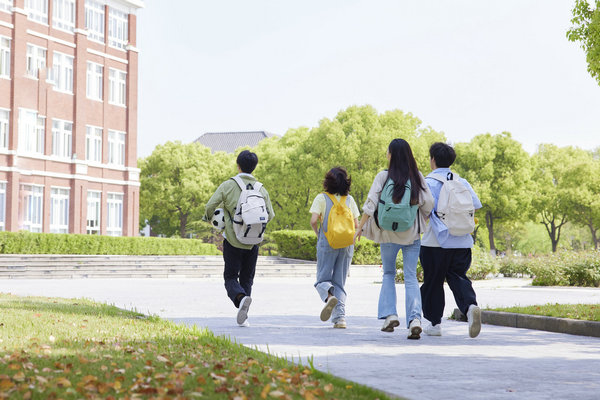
x=218 y=219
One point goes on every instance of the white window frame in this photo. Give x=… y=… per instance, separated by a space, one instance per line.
x=95 y=81
x=31 y=131
x=4 y=128
x=94 y=20
x=5 y=57
x=2 y=205
x=116 y=147
x=61 y=73
x=114 y=214
x=37 y=10
x=117 y=87
x=6 y=5
x=59 y=209
x=118 y=28
x=62 y=138
x=93 y=143
x=63 y=15
x=32 y=203
x=94 y=210
x=36 y=60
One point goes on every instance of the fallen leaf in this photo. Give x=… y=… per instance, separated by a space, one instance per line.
x=162 y=359
x=328 y=387
x=277 y=394
x=263 y=394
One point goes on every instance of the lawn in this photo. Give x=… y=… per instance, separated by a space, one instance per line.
x=586 y=312
x=53 y=348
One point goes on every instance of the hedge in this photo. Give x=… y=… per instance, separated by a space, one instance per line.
x=51 y=243
x=302 y=245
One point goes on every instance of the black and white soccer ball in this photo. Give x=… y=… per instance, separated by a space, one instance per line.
x=218 y=219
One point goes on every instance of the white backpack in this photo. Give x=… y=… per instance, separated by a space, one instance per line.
x=251 y=216
x=455 y=205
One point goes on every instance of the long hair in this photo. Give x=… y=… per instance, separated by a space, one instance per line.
x=337 y=181
x=403 y=167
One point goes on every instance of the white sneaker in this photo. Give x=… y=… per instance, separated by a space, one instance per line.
x=414 y=329
x=328 y=309
x=242 y=314
x=433 y=330
x=244 y=324
x=474 y=318
x=390 y=323
x=341 y=324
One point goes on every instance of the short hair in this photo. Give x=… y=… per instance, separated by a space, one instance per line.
x=443 y=154
x=337 y=181
x=247 y=161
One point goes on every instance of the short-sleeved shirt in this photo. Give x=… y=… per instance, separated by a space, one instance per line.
x=319 y=205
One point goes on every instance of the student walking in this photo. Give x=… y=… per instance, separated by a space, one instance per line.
x=447 y=242
x=338 y=215
x=247 y=210
x=394 y=216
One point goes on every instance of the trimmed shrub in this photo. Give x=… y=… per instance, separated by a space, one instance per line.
x=52 y=243
x=513 y=267
x=482 y=264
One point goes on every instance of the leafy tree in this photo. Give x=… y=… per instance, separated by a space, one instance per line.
x=176 y=182
x=586 y=30
x=499 y=170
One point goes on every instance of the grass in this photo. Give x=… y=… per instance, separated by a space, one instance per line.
x=54 y=348
x=586 y=312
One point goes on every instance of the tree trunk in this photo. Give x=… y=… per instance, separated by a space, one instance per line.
x=595 y=238
x=182 y=224
x=489 y=222
x=474 y=235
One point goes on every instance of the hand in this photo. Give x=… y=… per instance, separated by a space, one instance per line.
x=357 y=235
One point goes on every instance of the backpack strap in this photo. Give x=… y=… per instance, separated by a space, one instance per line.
x=256 y=185
x=450 y=176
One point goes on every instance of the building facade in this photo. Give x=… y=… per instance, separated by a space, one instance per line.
x=68 y=116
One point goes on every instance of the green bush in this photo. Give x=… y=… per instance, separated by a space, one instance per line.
x=51 y=243
x=511 y=267
x=302 y=245
x=482 y=264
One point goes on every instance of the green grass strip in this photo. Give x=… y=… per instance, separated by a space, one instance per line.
x=53 y=348
x=585 y=312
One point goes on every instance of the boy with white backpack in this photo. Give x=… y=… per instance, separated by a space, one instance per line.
x=248 y=209
x=447 y=242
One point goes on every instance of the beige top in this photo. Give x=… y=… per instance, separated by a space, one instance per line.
x=370 y=229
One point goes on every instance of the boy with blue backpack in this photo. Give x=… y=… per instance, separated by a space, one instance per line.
x=446 y=244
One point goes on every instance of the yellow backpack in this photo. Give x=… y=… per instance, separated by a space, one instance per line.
x=340 y=224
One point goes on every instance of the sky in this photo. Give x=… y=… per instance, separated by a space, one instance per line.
x=463 y=67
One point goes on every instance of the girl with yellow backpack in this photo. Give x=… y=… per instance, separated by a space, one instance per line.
x=338 y=215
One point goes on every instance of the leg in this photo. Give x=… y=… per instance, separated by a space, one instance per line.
x=435 y=264
x=410 y=257
x=340 y=272
x=387 y=295
x=326 y=257
x=231 y=273
x=457 y=279
x=248 y=269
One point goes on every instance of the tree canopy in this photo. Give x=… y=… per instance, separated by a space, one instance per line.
x=586 y=31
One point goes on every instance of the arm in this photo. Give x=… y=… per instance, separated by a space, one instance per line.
x=363 y=221
x=314 y=222
x=217 y=198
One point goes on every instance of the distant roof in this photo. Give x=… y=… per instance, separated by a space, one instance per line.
x=230 y=141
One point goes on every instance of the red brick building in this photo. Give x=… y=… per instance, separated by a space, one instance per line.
x=68 y=116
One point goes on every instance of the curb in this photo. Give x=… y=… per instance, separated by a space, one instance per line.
x=538 y=322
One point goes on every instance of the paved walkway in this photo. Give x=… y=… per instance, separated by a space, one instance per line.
x=502 y=363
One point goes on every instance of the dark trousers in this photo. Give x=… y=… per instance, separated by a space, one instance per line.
x=240 y=266
x=450 y=265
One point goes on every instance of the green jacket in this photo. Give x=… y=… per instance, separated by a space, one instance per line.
x=226 y=196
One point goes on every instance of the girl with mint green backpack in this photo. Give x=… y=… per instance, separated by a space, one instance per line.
x=394 y=213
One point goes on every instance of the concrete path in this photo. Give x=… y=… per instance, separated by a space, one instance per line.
x=502 y=363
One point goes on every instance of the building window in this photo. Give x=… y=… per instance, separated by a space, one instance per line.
x=94 y=81
x=31 y=132
x=37 y=10
x=117 y=84
x=93 y=144
x=2 y=206
x=36 y=60
x=4 y=57
x=116 y=147
x=117 y=28
x=6 y=5
x=93 y=212
x=63 y=15
x=32 y=201
x=94 y=20
x=61 y=73
x=114 y=222
x=59 y=210
x=62 y=134
x=4 y=118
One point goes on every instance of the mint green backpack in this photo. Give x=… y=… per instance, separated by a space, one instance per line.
x=395 y=217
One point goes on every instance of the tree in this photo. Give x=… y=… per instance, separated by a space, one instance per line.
x=586 y=30
x=176 y=181
x=499 y=170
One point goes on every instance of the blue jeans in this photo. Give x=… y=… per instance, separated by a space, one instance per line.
x=387 y=295
x=332 y=269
